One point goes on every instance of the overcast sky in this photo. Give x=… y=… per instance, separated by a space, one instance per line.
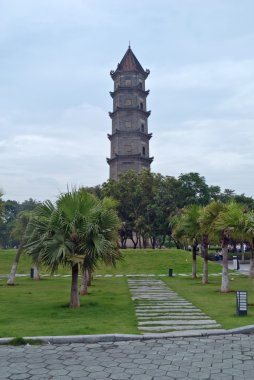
x=55 y=59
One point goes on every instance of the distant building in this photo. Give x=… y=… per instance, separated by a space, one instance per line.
x=130 y=137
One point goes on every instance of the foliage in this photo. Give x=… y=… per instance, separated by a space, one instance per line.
x=19 y=341
x=147 y=202
x=10 y=211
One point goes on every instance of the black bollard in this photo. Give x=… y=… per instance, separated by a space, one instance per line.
x=170 y=272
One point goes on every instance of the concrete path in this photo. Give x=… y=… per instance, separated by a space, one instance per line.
x=160 y=309
x=244 y=268
x=216 y=357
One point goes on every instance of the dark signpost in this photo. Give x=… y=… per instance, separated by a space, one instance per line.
x=241 y=302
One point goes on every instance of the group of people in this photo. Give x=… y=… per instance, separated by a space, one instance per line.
x=238 y=248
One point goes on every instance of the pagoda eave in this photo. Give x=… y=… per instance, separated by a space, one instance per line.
x=125 y=157
x=118 y=72
x=120 y=89
x=136 y=109
x=136 y=132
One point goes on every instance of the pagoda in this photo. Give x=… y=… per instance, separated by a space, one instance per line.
x=129 y=138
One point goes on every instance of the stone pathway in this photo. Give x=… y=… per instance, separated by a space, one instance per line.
x=228 y=357
x=160 y=309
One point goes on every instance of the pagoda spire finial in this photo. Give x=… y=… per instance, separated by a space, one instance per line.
x=129 y=44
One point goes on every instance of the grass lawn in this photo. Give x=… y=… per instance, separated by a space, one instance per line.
x=35 y=308
x=6 y=260
x=134 y=261
x=40 y=307
x=220 y=306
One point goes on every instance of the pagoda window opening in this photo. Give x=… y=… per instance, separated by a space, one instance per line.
x=142 y=128
x=144 y=151
x=141 y=105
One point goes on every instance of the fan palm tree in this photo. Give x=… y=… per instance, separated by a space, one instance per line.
x=186 y=228
x=77 y=230
x=229 y=224
x=190 y=223
x=207 y=219
x=249 y=236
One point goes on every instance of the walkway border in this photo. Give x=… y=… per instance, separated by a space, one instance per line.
x=131 y=337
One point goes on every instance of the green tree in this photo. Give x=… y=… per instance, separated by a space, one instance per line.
x=193 y=190
x=133 y=193
x=162 y=208
x=10 y=211
x=79 y=227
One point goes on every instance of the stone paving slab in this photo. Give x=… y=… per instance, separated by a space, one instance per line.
x=213 y=357
x=168 y=316
x=178 y=328
x=178 y=322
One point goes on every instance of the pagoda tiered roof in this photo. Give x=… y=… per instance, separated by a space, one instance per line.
x=129 y=62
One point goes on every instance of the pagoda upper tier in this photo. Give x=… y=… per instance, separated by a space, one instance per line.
x=129 y=63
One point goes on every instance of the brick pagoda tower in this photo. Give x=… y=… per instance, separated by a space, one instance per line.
x=130 y=137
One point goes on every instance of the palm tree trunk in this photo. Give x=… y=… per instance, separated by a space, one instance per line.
x=224 y=276
x=11 y=278
x=252 y=260
x=36 y=275
x=74 y=303
x=205 y=254
x=89 y=277
x=194 y=261
x=83 y=288
x=243 y=253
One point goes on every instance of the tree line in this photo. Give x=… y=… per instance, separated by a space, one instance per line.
x=9 y=210
x=220 y=223
x=84 y=226
x=147 y=203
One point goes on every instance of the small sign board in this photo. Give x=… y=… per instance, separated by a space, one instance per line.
x=241 y=302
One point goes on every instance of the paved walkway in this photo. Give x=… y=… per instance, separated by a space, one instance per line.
x=218 y=357
x=160 y=309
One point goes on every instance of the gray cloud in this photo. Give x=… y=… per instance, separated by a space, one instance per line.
x=54 y=73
